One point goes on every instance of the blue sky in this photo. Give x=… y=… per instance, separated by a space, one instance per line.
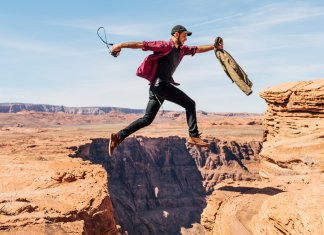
x=50 y=53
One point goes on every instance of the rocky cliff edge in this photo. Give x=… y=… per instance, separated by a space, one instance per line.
x=294 y=128
x=293 y=157
x=289 y=198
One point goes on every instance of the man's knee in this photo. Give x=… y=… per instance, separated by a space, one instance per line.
x=147 y=120
x=191 y=104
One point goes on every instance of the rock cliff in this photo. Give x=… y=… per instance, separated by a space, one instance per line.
x=294 y=128
x=61 y=206
x=43 y=191
x=159 y=185
x=289 y=197
x=293 y=154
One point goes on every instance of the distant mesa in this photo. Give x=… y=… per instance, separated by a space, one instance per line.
x=19 y=107
x=47 y=108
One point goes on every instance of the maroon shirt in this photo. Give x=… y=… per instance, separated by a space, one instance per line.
x=148 y=67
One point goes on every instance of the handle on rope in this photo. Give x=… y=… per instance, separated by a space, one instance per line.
x=115 y=53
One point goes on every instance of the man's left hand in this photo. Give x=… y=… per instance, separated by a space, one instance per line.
x=218 y=43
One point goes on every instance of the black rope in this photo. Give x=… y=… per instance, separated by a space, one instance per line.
x=115 y=54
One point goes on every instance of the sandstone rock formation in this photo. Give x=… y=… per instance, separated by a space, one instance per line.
x=294 y=128
x=43 y=191
x=293 y=153
x=159 y=185
x=290 y=197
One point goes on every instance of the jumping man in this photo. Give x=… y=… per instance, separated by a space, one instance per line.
x=158 y=68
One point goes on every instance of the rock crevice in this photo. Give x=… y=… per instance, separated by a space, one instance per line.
x=159 y=185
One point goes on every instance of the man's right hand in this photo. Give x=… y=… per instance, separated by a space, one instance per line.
x=115 y=50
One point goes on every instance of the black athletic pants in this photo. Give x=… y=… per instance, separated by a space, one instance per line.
x=157 y=95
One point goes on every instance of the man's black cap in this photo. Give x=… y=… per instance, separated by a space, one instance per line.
x=180 y=29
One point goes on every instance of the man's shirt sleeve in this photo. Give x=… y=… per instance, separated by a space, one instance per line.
x=158 y=46
x=190 y=50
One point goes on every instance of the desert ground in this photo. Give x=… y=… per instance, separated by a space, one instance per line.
x=35 y=149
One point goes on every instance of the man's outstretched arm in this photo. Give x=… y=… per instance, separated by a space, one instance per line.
x=116 y=48
x=205 y=48
x=218 y=45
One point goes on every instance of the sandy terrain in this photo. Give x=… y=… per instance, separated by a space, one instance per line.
x=34 y=149
x=36 y=169
x=166 y=124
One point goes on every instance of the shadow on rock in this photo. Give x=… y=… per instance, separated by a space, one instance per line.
x=251 y=190
x=154 y=183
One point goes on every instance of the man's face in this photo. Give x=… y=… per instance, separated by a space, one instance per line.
x=181 y=37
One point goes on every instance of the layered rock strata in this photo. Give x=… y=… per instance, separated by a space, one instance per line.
x=293 y=155
x=61 y=204
x=43 y=191
x=294 y=128
x=289 y=198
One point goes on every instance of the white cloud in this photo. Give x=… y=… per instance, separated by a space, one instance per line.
x=112 y=29
x=219 y=19
x=266 y=16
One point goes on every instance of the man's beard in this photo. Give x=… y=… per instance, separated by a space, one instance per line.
x=179 y=42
